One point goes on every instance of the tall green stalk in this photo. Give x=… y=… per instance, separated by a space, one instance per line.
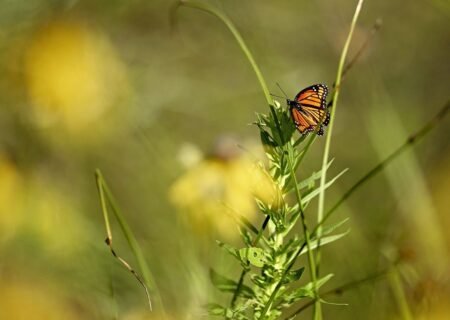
x=326 y=153
x=307 y=243
x=222 y=17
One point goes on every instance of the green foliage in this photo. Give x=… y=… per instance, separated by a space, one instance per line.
x=227 y=285
x=272 y=282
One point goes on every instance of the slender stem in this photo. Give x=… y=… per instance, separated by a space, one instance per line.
x=339 y=290
x=410 y=141
x=238 y=288
x=244 y=271
x=101 y=192
x=148 y=279
x=325 y=159
x=212 y=10
x=399 y=295
x=303 y=218
x=286 y=271
x=305 y=232
x=291 y=262
x=376 y=27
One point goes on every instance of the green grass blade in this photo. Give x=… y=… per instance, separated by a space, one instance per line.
x=321 y=205
x=106 y=196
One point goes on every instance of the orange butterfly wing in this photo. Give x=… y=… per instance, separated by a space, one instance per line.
x=310 y=109
x=314 y=96
x=301 y=121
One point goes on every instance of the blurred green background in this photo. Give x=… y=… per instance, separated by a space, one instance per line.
x=114 y=85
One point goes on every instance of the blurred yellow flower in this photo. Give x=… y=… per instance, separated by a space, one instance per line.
x=211 y=194
x=73 y=74
x=32 y=301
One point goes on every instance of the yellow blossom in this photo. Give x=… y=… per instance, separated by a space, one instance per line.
x=212 y=194
x=73 y=74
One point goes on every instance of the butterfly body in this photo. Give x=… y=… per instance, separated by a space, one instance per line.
x=309 y=109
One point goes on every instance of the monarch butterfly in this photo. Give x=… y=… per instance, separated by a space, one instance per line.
x=309 y=109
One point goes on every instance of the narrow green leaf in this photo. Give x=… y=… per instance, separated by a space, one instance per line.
x=231 y=250
x=294 y=275
x=215 y=309
x=227 y=285
x=261 y=205
x=248 y=224
x=307 y=291
x=330 y=228
x=316 y=191
x=267 y=141
x=315 y=176
x=326 y=240
x=246 y=237
x=320 y=282
x=333 y=303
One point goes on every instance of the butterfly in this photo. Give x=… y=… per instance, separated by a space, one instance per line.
x=309 y=109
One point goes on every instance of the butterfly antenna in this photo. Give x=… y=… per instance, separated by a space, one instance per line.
x=282 y=90
x=274 y=95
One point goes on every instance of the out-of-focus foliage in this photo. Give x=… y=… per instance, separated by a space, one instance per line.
x=112 y=84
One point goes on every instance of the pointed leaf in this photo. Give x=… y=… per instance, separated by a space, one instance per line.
x=315 y=176
x=227 y=285
x=316 y=191
x=306 y=291
x=330 y=228
x=246 y=236
x=215 y=309
x=320 y=282
x=294 y=275
x=248 y=224
x=325 y=240
x=333 y=303
x=231 y=250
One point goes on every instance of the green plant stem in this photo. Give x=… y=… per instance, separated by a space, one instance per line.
x=410 y=141
x=221 y=16
x=238 y=288
x=376 y=27
x=106 y=194
x=325 y=159
x=341 y=289
x=307 y=236
x=399 y=295
x=244 y=272
x=290 y=263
